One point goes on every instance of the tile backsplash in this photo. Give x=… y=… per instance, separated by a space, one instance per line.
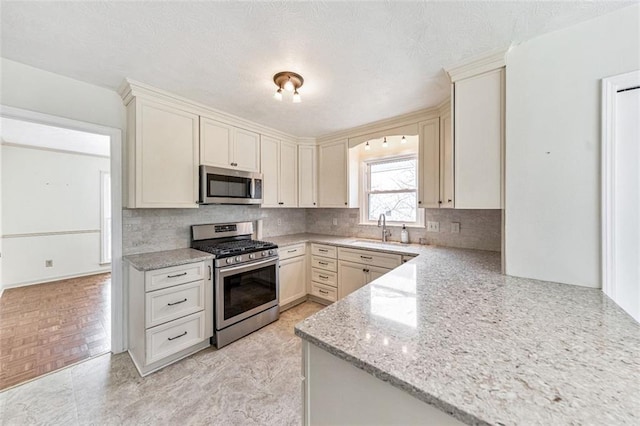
x=148 y=230
x=479 y=229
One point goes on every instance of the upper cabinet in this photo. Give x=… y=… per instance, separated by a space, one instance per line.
x=222 y=145
x=446 y=160
x=307 y=176
x=279 y=161
x=162 y=155
x=333 y=176
x=429 y=164
x=478 y=140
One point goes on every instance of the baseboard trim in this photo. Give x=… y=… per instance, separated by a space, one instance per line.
x=64 y=277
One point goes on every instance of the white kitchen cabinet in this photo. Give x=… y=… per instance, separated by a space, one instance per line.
x=293 y=271
x=376 y=272
x=333 y=174
x=324 y=276
x=351 y=276
x=429 y=164
x=162 y=155
x=222 y=145
x=446 y=161
x=170 y=313
x=279 y=161
x=307 y=176
x=478 y=140
x=357 y=268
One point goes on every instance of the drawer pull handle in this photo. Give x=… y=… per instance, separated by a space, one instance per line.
x=365 y=270
x=292 y=251
x=323 y=263
x=210 y=276
x=324 y=277
x=177 y=337
x=177 y=303
x=323 y=291
x=366 y=257
x=177 y=275
x=323 y=250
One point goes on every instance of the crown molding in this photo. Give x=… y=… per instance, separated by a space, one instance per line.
x=381 y=125
x=480 y=64
x=130 y=89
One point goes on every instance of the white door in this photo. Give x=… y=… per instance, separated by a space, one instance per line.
x=333 y=174
x=270 y=154
x=446 y=161
x=351 y=276
x=288 y=183
x=215 y=143
x=246 y=151
x=429 y=164
x=621 y=191
x=376 y=272
x=292 y=279
x=307 y=176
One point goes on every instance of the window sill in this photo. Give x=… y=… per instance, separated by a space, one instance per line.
x=395 y=225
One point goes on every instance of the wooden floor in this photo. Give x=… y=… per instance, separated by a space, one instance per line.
x=45 y=327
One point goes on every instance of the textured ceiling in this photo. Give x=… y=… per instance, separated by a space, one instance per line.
x=361 y=61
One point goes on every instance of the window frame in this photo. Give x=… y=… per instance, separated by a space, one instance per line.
x=366 y=190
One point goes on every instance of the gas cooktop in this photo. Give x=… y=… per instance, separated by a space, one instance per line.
x=233 y=247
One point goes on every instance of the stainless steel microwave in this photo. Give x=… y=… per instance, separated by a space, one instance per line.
x=227 y=186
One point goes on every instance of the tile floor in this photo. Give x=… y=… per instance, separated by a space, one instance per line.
x=46 y=327
x=253 y=381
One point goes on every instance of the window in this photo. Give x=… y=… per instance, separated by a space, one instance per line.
x=105 y=215
x=390 y=187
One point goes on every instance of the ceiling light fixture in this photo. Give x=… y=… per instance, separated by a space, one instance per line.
x=289 y=81
x=367 y=147
x=385 y=144
x=403 y=140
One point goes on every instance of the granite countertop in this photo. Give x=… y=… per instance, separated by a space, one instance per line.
x=388 y=247
x=450 y=329
x=165 y=259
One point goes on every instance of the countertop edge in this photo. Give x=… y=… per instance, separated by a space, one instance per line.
x=151 y=265
x=425 y=397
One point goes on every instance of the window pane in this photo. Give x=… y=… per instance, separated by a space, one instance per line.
x=393 y=175
x=397 y=207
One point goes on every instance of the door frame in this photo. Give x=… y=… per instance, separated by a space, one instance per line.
x=118 y=331
x=610 y=87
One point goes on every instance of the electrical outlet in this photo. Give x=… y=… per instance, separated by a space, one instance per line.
x=455 y=227
x=433 y=226
x=279 y=221
x=48 y=263
x=335 y=221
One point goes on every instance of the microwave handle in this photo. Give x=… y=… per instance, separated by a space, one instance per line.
x=252 y=188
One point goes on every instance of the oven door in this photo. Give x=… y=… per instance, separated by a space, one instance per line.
x=245 y=290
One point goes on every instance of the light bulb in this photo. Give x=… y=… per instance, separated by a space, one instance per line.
x=367 y=147
x=385 y=144
x=296 y=97
x=278 y=95
x=404 y=140
x=289 y=86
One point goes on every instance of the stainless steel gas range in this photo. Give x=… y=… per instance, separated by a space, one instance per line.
x=246 y=279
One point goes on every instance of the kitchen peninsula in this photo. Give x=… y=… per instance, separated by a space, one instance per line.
x=449 y=330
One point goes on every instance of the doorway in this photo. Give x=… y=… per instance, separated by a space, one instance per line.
x=61 y=252
x=621 y=191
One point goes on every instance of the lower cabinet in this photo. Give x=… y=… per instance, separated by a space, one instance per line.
x=352 y=276
x=170 y=313
x=293 y=272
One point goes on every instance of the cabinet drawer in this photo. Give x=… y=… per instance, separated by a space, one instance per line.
x=373 y=258
x=324 y=277
x=324 y=250
x=174 y=336
x=168 y=277
x=324 y=263
x=173 y=302
x=324 y=292
x=291 y=251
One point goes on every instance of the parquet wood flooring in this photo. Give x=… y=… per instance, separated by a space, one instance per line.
x=45 y=327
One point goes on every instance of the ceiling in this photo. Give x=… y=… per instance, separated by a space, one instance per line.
x=361 y=62
x=40 y=135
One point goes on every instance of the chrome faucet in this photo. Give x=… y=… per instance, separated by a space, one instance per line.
x=385 y=232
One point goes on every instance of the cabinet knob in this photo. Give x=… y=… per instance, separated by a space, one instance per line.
x=449 y=201
x=345 y=204
x=440 y=202
x=314 y=204
x=419 y=202
x=281 y=203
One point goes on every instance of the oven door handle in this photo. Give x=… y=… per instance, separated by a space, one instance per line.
x=248 y=266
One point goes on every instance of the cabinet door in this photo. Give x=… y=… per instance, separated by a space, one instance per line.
x=288 y=182
x=307 y=176
x=446 y=161
x=375 y=272
x=478 y=130
x=215 y=143
x=351 y=276
x=429 y=164
x=293 y=285
x=269 y=153
x=333 y=175
x=166 y=156
x=246 y=150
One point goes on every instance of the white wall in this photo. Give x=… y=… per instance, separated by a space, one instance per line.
x=553 y=145
x=46 y=191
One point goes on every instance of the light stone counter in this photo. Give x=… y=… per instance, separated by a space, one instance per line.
x=451 y=330
x=165 y=259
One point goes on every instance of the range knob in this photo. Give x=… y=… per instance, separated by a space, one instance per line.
x=271 y=252
x=264 y=253
x=238 y=258
x=229 y=260
x=252 y=256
